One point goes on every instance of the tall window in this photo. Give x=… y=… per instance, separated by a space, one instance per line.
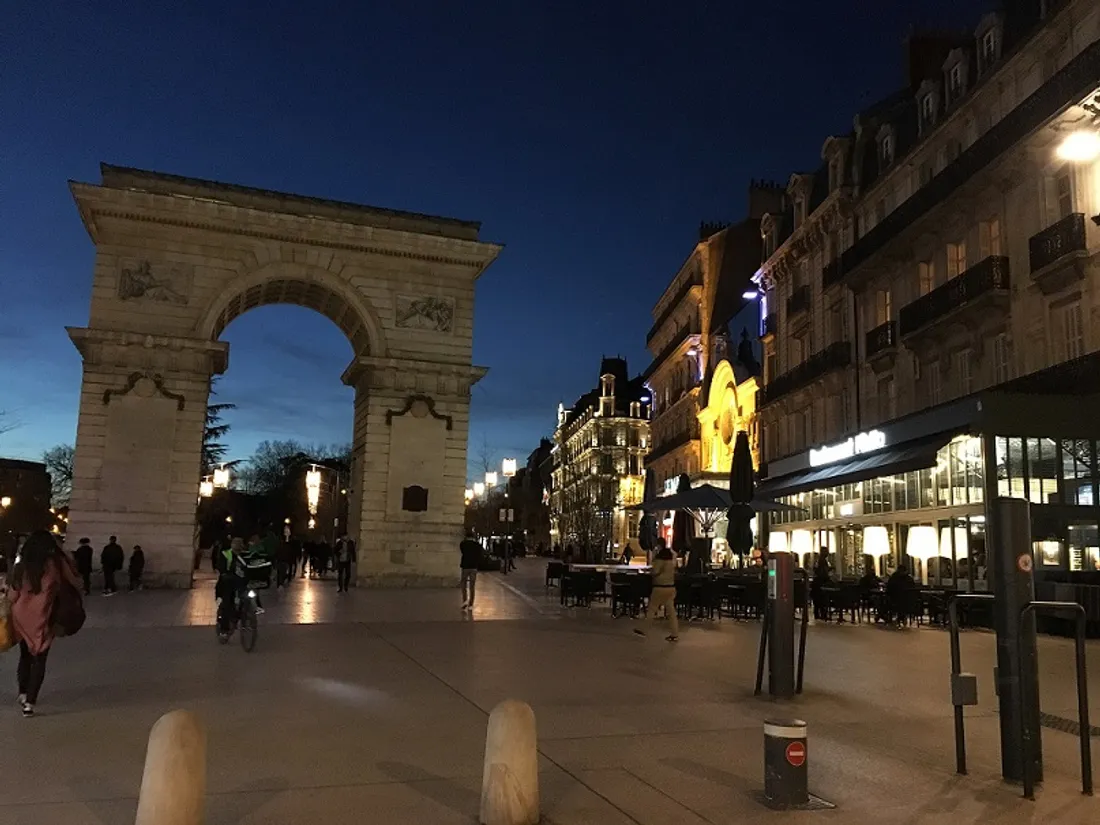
x=928 y=109
x=1063 y=191
x=926 y=274
x=955 y=82
x=961 y=367
x=887 y=398
x=935 y=383
x=989 y=47
x=882 y=307
x=1002 y=358
x=989 y=233
x=1070 y=332
x=887 y=149
x=956 y=259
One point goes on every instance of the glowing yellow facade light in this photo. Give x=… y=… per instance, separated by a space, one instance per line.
x=777 y=542
x=469 y=495
x=5 y=502
x=921 y=543
x=221 y=478
x=508 y=468
x=801 y=544
x=312 y=523
x=1081 y=146
x=479 y=488
x=313 y=489
x=206 y=488
x=491 y=479
x=286 y=520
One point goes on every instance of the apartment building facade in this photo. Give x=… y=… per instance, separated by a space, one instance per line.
x=931 y=317
x=599 y=450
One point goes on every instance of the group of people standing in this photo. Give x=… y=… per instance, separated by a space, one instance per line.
x=314 y=559
x=111 y=562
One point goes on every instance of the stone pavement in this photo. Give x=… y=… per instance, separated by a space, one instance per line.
x=371 y=707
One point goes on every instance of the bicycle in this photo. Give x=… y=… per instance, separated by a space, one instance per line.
x=245 y=621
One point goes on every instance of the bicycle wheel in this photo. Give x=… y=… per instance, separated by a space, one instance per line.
x=249 y=626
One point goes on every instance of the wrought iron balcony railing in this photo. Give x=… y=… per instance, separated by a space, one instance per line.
x=799 y=301
x=835 y=356
x=985 y=277
x=882 y=338
x=1057 y=241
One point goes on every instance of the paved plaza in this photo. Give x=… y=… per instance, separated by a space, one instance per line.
x=372 y=707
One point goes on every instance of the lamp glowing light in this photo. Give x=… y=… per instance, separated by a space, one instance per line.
x=750 y=294
x=777 y=542
x=1081 y=146
x=5 y=502
x=508 y=468
x=206 y=488
x=221 y=477
x=479 y=488
x=801 y=544
x=491 y=479
x=920 y=543
x=313 y=489
x=876 y=543
x=312 y=523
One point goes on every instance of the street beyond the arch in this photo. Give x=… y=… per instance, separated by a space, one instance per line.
x=372 y=707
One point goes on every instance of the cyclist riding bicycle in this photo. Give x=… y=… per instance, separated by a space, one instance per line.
x=232 y=583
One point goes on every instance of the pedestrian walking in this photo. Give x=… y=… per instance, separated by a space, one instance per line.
x=663 y=572
x=137 y=567
x=471 y=558
x=345 y=558
x=36 y=581
x=111 y=559
x=82 y=555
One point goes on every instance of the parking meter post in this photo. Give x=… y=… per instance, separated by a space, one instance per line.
x=1010 y=565
x=802 y=635
x=781 y=681
x=956 y=669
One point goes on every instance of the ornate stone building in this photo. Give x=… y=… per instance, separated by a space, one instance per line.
x=690 y=337
x=932 y=310
x=177 y=259
x=599 y=463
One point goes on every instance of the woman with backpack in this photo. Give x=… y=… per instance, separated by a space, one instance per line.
x=41 y=571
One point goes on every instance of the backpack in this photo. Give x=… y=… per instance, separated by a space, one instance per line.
x=68 y=610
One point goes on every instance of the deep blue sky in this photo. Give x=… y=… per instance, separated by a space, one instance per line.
x=590 y=138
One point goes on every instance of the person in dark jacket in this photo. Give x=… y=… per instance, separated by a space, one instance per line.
x=471 y=559
x=111 y=560
x=82 y=556
x=898 y=587
x=137 y=566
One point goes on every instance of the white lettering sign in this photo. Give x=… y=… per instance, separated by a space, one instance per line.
x=866 y=442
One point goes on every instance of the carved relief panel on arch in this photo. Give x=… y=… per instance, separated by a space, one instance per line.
x=155 y=281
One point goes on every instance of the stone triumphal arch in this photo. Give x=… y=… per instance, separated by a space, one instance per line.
x=177 y=260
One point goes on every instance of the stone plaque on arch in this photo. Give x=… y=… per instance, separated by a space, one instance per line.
x=140 y=432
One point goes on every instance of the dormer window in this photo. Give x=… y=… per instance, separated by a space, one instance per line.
x=928 y=104
x=955 y=82
x=928 y=108
x=799 y=212
x=886 y=149
x=988 y=38
x=834 y=173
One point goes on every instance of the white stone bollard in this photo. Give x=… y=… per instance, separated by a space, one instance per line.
x=510 y=782
x=173 y=786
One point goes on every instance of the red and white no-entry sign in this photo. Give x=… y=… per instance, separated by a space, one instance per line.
x=796 y=754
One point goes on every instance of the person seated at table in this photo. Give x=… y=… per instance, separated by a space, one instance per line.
x=898 y=586
x=823 y=577
x=869 y=581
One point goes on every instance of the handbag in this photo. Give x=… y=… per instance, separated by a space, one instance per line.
x=68 y=611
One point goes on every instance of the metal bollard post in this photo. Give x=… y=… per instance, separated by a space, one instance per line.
x=786 y=763
x=173 y=784
x=510 y=781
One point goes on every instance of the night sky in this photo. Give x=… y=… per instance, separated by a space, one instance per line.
x=588 y=137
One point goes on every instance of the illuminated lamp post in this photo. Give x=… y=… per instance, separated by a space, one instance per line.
x=221 y=477
x=313 y=492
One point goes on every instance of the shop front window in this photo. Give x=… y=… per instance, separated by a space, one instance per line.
x=1010 y=467
x=1084 y=547
x=1042 y=465
x=1078 y=472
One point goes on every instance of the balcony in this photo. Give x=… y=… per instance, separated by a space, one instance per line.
x=673 y=443
x=1059 y=254
x=768 y=326
x=1071 y=83
x=696 y=279
x=673 y=345
x=881 y=345
x=799 y=301
x=835 y=356
x=963 y=300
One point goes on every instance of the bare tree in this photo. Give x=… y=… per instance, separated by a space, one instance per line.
x=584 y=507
x=59 y=463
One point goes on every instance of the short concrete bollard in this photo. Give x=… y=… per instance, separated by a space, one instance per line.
x=785 y=763
x=173 y=786
x=510 y=782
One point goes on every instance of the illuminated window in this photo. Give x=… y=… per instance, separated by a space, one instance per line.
x=926 y=274
x=990 y=237
x=1063 y=192
x=989 y=48
x=956 y=259
x=955 y=82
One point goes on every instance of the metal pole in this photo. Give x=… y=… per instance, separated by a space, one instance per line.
x=1011 y=564
x=1024 y=732
x=805 y=624
x=781 y=659
x=763 y=650
x=1083 y=705
x=956 y=669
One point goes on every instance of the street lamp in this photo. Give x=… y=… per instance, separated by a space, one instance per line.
x=206 y=488
x=221 y=477
x=5 y=502
x=508 y=468
x=490 y=479
x=479 y=488
x=1080 y=146
x=313 y=489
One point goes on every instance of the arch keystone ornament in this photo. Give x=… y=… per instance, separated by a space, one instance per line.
x=177 y=260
